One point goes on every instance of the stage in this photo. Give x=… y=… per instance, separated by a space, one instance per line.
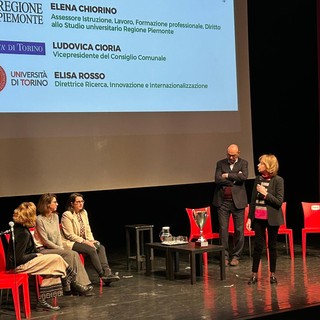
x=137 y=296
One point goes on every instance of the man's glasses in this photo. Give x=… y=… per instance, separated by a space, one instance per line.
x=233 y=155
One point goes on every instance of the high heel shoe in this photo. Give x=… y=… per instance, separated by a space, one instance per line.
x=253 y=280
x=43 y=305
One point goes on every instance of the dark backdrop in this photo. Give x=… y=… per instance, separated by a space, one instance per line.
x=285 y=120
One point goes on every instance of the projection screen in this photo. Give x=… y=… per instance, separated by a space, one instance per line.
x=113 y=95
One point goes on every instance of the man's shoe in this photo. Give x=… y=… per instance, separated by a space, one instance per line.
x=234 y=262
x=253 y=280
x=43 y=305
x=273 y=279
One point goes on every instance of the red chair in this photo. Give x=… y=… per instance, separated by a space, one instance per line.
x=207 y=228
x=13 y=281
x=38 y=278
x=286 y=231
x=247 y=233
x=311 y=214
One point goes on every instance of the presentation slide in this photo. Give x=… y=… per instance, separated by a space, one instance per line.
x=107 y=95
x=117 y=56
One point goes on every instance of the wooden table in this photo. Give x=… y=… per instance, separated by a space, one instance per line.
x=172 y=254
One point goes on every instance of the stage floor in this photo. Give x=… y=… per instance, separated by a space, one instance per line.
x=137 y=296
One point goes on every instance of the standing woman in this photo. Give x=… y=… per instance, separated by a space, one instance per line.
x=78 y=237
x=24 y=257
x=265 y=213
x=48 y=239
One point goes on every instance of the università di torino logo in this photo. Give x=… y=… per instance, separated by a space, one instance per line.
x=3 y=78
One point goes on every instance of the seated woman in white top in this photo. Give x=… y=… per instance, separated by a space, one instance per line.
x=48 y=240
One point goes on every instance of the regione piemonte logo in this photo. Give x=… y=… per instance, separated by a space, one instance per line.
x=3 y=78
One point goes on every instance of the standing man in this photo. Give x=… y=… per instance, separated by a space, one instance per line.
x=230 y=197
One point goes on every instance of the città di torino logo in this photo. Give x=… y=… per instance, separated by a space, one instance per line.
x=21 y=12
x=3 y=78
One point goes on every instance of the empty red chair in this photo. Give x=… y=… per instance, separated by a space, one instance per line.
x=207 y=228
x=311 y=215
x=286 y=231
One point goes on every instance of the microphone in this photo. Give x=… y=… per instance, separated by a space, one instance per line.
x=11 y=224
x=259 y=182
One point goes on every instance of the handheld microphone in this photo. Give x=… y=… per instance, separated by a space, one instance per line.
x=260 y=179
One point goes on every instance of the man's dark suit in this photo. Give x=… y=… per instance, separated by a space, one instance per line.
x=235 y=206
x=236 y=178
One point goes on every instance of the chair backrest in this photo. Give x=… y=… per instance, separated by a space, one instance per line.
x=194 y=229
x=311 y=214
x=246 y=231
x=284 y=210
x=231 y=225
